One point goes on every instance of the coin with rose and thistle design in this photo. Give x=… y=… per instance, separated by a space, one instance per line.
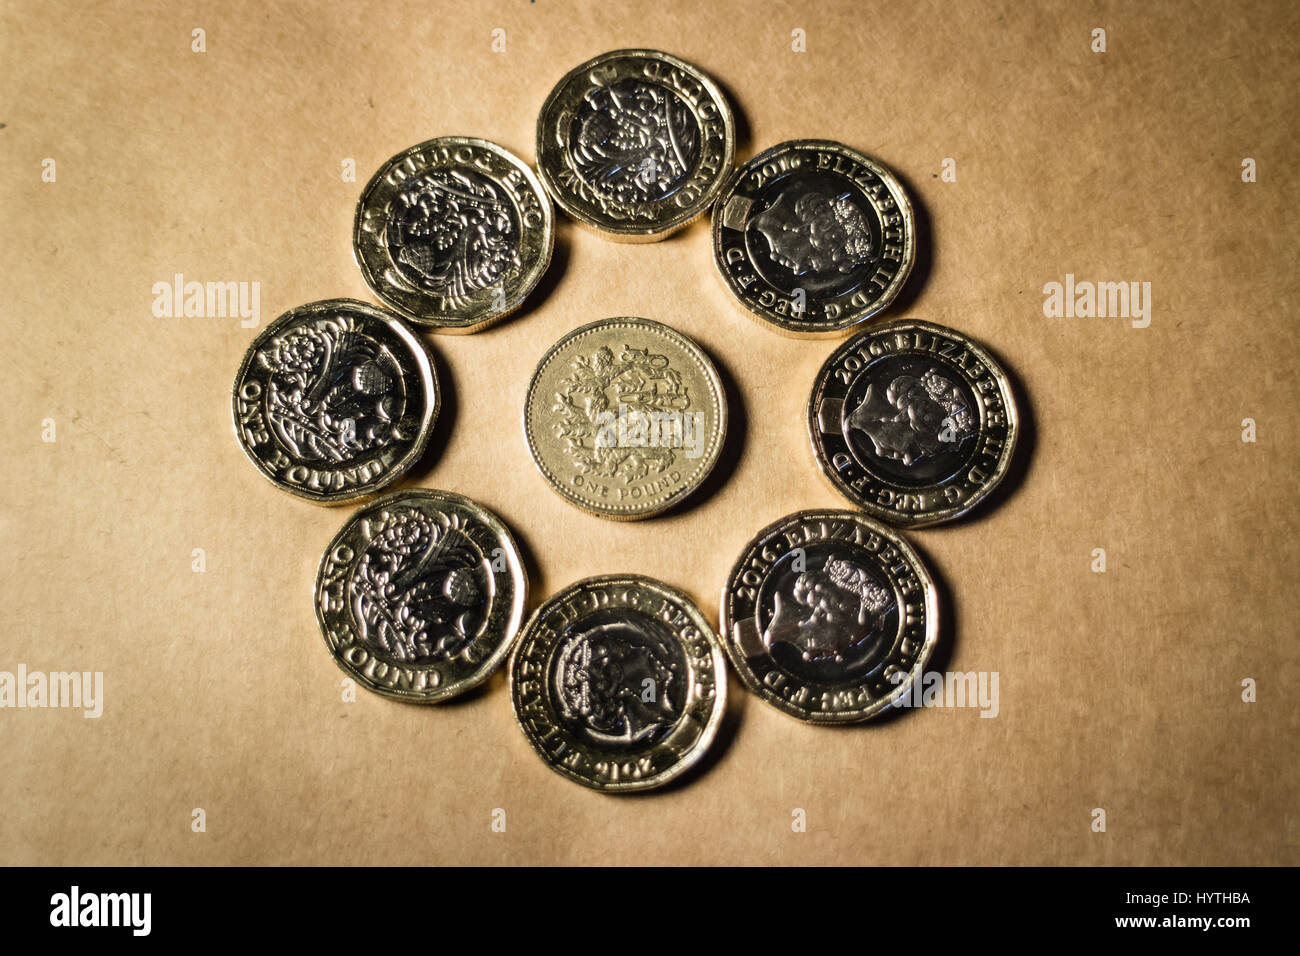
x=913 y=422
x=635 y=144
x=829 y=616
x=334 y=400
x=420 y=595
x=813 y=237
x=454 y=233
x=625 y=417
x=618 y=682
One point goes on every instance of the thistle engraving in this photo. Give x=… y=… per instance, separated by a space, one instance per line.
x=334 y=393
x=421 y=590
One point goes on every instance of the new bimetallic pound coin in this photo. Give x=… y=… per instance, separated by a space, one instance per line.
x=618 y=682
x=635 y=144
x=335 y=400
x=829 y=616
x=625 y=417
x=454 y=233
x=813 y=237
x=420 y=595
x=913 y=422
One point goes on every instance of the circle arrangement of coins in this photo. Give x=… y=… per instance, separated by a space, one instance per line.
x=618 y=682
x=625 y=417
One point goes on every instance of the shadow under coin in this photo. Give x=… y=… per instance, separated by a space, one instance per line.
x=442 y=426
x=547 y=283
x=733 y=443
x=924 y=260
x=1026 y=441
x=722 y=741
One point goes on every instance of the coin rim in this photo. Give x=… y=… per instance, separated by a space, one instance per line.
x=711 y=373
x=689 y=758
x=468 y=325
x=926 y=519
x=423 y=360
x=637 y=233
x=727 y=625
x=840 y=327
x=519 y=579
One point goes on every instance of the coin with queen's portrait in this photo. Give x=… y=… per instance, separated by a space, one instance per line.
x=913 y=422
x=618 y=683
x=829 y=616
x=813 y=237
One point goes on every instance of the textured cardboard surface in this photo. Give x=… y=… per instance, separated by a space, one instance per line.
x=1119 y=690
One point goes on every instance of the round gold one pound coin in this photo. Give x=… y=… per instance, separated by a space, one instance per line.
x=625 y=417
x=635 y=144
x=618 y=683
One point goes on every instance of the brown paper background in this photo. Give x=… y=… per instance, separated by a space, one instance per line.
x=1118 y=690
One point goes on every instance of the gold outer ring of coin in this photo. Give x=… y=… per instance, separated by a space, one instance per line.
x=578 y=759
x=421 y=683
x=421 y=365
x=538 y=433
x=552 y=151
x=842 y=703
x=775 y=306
x=907 y=505
x=481 y=307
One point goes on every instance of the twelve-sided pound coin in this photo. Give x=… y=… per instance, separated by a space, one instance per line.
x=625 y=417
x=913 y=422
x=454 y=233
x=813 y=237
x=635 y=144
x=420 y=595
x=335 y=400
x=829 y=616
x=618 y=682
